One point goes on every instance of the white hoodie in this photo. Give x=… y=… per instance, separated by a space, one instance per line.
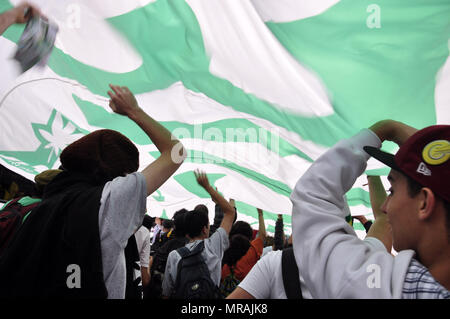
x=335 y=263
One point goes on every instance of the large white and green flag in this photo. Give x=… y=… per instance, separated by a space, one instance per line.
x=255 y=89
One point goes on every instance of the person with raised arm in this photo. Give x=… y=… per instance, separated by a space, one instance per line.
x=333 y=261
x=197 y=228
x=77 y=235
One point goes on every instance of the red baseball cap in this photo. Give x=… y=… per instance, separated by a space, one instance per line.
x=425 y=157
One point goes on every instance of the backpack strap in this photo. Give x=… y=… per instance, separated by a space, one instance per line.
x=291 y=278
x=184 y=251
x=10 y=202
x=199 y=248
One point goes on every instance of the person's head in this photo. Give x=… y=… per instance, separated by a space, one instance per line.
x=239 y=245
x=243 y=228
x=43 y=179
x=167 y=225
x=268 y=241
x=148 y=222
x=103 y=154
x=418 y=204
x=197 y=224
x=202 y=208
x=179 y=222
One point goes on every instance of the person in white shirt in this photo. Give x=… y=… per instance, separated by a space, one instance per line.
x=143 y=245
x=265 y=279
x=197 y=229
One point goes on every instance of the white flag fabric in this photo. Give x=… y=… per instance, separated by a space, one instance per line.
x=255 y=89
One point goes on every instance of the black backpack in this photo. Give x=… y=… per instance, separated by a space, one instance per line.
x=193 y=278
x=12 y=216
x=154 y=289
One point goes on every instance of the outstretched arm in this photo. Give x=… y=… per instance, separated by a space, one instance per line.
x=228 y=209
x=279 y=238
x=240 y=293
x=262 y=226
x=172 y=151
x=19 y=14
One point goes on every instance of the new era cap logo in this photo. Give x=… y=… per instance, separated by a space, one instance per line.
x=423 y=169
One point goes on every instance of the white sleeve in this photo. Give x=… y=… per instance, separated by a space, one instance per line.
x=122 y=209
x=145 y=252
x=332 y=260
x=170 y=274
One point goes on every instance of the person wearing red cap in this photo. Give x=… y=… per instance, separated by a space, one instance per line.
x=335 y=264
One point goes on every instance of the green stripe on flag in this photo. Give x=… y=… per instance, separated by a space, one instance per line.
x=195 y=156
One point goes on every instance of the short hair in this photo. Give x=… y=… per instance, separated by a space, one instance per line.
x=195 y=220
x=243 y=228
x=412 y=186
x=201 y=207
x=414 y=189
x=148 y=221
x=167 y=223
x=268 y=241
x=179 y=223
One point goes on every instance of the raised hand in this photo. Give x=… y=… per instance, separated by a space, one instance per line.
x=24 y=11
x=202 y=179
x=122 y=100
x=394 y=131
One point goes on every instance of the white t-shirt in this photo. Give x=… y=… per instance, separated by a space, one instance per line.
x=122 y=210
x=143 y=244
x=265 y=280
x=267 y=250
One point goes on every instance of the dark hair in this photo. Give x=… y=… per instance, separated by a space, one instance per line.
x=239 y=245
x=148 y=221
x=268 y=241
x=414 y=189
x=179 y=223
x=413 y=186
x=243 y=228
x=167 y=223
x=195 y=220
x=201 y=207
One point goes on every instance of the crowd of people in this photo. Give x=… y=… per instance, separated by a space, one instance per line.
x=88 y=235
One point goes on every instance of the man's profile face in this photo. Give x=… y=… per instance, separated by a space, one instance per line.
x=402 y=210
